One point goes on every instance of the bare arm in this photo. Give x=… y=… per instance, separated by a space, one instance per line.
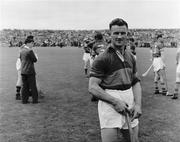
x=97 y=91
x=137 y=92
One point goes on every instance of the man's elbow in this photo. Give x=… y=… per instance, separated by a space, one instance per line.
x=90 y=88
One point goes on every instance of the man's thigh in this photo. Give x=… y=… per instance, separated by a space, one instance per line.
x=126 y=135
x=109 y=135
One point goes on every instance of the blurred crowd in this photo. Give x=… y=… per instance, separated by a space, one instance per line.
x=63 y=38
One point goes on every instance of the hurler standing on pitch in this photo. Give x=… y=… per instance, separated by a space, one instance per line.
x=177 y=85
x=113 y=80
x=86 y=56
x=158 y=65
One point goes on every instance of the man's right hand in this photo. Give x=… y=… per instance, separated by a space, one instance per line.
x=121 y=107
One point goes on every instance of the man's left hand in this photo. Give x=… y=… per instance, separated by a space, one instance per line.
x=136 y=112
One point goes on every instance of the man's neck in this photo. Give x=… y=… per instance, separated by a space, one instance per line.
x=119 y=49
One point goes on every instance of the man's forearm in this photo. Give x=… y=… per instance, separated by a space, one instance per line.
x=137 y=91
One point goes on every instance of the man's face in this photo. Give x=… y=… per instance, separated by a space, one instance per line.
x=119 y=35
x=31 y=44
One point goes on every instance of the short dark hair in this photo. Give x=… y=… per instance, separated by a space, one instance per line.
x=159 y=36
x=118 y=22
x=29 y=39
x=98 y=36
x=131 y=39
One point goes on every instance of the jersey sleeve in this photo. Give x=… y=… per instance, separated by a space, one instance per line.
x=135 y=73
x=98 y=68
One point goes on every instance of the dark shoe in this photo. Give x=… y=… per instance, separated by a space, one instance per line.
x=164 y=92
x=18 y=97
x=25 y=102
x=175 y=96
x=156 y=92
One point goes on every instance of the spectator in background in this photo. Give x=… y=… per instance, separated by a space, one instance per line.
x=28 y=73
x=19 y=80
x=133 y=47
x=86 y=55
x=177 y=84
x=158 y=65
x=99 y=44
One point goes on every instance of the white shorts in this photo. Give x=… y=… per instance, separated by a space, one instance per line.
x=86 y=57
x=109 y=117
x=158 y=64
x=19 y=80
x=178 y=73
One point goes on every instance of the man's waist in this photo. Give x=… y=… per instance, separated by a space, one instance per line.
x=117 y=87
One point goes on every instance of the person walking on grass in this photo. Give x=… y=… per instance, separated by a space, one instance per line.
x=19 y=78
x=28 y=73
x=177 y=84
x=157 y=57
x=114 y=81
x=86 y=56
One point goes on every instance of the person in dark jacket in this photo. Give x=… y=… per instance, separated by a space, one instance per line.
x=28 y=58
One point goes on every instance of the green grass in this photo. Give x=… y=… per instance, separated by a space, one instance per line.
x=66 y=113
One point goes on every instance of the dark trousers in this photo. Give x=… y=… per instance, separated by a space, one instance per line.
x=29 y=84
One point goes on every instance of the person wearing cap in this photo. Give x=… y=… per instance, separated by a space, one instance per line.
x=114 y=81
x=19 y=79
x=157 y=57
x=28 y=74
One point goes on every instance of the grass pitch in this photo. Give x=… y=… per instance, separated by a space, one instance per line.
x=66 y=113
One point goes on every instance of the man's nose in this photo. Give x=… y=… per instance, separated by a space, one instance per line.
x=119 y=36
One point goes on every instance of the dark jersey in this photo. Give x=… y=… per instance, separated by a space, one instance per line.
x=115 y=73
x=88 y=47
x=156 y=49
